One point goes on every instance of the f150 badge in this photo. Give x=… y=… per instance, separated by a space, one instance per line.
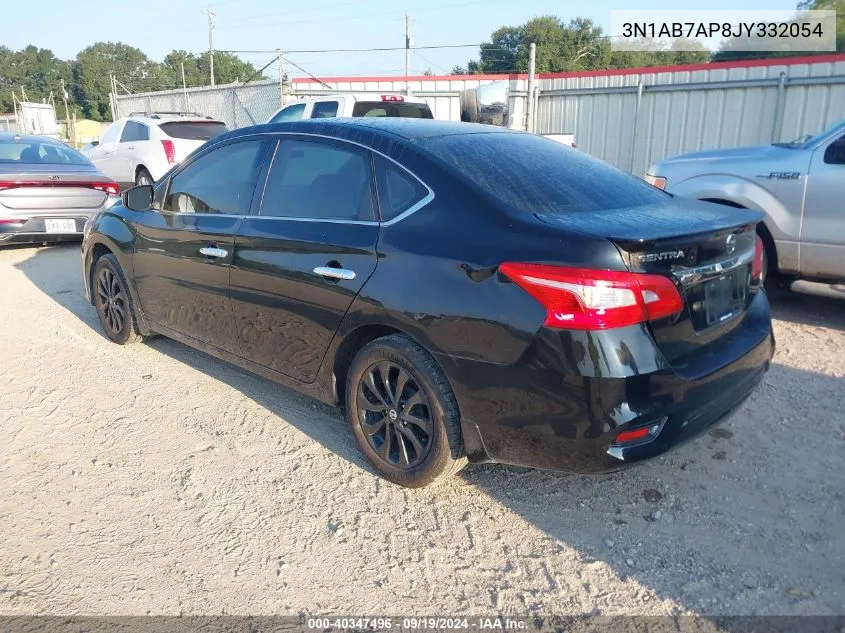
x=781 y=175
x=660 y=257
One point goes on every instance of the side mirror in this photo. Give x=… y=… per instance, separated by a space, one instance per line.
x=138 y=198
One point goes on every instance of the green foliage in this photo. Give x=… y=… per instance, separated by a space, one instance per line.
x=87 y=78
x=562 y=46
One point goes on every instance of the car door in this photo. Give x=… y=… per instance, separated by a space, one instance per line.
x=822 y=247
x=103 y=154
x=300 y=262
x=183 y=251
x=124 y=155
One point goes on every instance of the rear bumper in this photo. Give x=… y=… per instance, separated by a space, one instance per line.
x=554 y=412
x=34 y=230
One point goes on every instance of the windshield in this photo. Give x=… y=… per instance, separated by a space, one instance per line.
x=36 y=153
x=392 y=109
x=193 y=130
x=538 y=175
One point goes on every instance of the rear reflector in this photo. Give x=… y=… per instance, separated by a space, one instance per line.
x=757 y=263
x=392 y=98
x=585 y=299
x=104 y=186
x=640 y=433
x=169 y=151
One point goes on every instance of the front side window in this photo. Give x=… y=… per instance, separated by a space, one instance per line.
x=835 y=152
x=398 y=190
x=111 y=133
x=324 y=110
x=319 y=181
x=291 y=113
x=221 y=181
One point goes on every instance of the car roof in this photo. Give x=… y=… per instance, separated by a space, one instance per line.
x=345 y=128
x=28 y=138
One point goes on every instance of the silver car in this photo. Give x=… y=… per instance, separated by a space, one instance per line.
x=47 y=190
x=800 y=186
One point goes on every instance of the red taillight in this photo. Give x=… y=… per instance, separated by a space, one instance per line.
x=106 y=186
x=585 y=299
x=169 y=151
x=633 y=435
x=392 y=98
x=757 y=265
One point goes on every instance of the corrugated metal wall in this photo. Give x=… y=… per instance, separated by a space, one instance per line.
x=238 y=105
x=684 y=111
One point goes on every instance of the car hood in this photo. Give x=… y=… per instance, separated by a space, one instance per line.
x=760 y=152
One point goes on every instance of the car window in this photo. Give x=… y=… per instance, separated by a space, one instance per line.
x=538 y=175
x=32 y=152
x=110 y=135
x=324 y=110
x=290 y=113
x=193 y=130
x=398 y=190
x=134 y=131
x=319 y=181
x=835 y=152
x=221 y=181
x=392 y=109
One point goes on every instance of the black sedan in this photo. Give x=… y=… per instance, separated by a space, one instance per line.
x=466 y=293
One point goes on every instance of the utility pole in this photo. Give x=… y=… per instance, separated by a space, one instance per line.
x=185 y=88
x=529 y=102
x=67 y=113
x=282 y=91
x=113 y=98
x=408 y=42
x=210 y=15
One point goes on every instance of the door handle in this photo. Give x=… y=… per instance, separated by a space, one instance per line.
x=213 y=251
x=131 y=147
x=334 y=273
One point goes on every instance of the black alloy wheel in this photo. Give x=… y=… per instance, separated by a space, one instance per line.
x=111 y=301
x=395 y=415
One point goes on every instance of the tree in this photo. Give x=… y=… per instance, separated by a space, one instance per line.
x=37 y=70
x=93 y=67
x=576 y=45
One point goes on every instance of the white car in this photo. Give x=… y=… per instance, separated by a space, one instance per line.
x=354 y=105
x=141 y=148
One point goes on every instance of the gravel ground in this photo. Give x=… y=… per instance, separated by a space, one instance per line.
x=153 y=479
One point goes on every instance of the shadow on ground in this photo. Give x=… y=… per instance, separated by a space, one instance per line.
x=715 y=513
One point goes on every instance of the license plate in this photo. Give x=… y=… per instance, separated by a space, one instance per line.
x=720 y=299
x=60 y=226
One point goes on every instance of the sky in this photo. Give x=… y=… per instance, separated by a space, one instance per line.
x=159 y=26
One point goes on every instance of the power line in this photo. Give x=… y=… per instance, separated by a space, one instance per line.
x=371 y=50
x=427 y=60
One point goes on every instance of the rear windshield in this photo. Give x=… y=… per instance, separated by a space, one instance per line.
x=392 y=109
x=538 y=175
x=193 y=130
x=35 y=153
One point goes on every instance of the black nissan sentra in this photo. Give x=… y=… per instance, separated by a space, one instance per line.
x=465 y=292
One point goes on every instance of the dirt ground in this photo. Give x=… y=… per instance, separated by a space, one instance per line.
x=153 y=479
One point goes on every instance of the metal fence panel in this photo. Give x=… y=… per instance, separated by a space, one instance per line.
x=684 y=111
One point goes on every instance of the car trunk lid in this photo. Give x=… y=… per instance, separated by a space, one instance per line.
x=32 y=188
x=706 y=249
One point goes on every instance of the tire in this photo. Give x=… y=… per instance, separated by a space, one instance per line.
x=114 y=302
x=425 y=411
x=143 y=177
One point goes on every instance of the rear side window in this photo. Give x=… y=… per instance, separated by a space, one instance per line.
x=221 y=181
x=398 y=190
x=35 y=153
x=538 y=175
x=392 y=109
x=319 y=181
x=193 y=130
x=290 y=113
x=134 y=131
x=324 y=110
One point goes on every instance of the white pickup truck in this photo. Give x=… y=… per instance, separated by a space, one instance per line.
x=800 y=186
x=353 y=105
